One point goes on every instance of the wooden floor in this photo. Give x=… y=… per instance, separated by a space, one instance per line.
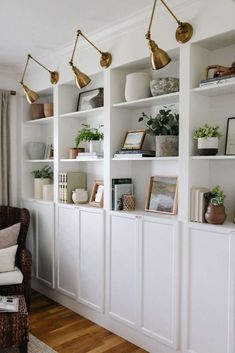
x=67 y=332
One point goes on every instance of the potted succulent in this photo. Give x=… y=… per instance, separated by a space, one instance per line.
x=92 y=135
x=165 y=126
x=215 y=213
x=42 y=177
x=207 y=140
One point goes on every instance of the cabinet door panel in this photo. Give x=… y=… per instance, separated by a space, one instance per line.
x=67 y=247
x=31 y=236
x=124 y=269
x=45 y=242
x=91 y=258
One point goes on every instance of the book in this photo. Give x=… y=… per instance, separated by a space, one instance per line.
x=217 y=80
x=116 y=181
x=146 y=152
x=119 y=191
x=198 y=204
x=69 y=181
x=202 y=204
x=9 y=304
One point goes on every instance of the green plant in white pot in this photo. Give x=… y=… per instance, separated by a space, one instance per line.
x=92 y=135
x=42 y=177
x=165 y=126
x=207 y=140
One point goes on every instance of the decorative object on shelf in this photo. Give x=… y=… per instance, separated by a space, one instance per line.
x=74 y=151
x=32 y=96
x=133 y=140
x=124 y=154
x=164 y=85
x=198 y=204
x=42 y=177
x=90 y=155
x=162 y=194
x=92 y=135
x=220 y=71
x=165 y=126
x=69 y=181
x=80 y=196
x=128 y=202
x=90 y=99
x=217 y=80
x=115 y=182
x=48 y=109
x=49 y=151
x=215 y=213
x=184 y=32
x=35 y=150
x=230 y=137
x=37 y=111
x=97 y=194
x=137 y=86
x=82 y=79
x=47 y=192
x=207 y=140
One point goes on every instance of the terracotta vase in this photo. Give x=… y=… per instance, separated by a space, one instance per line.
x=215 y=214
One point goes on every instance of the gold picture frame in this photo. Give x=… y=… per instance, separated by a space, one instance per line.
x=134 y=140
x=162 y=194
x=97 y=194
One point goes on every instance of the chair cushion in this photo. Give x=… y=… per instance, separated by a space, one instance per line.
x=7 y=258
x=12 y=277
x=9 y=236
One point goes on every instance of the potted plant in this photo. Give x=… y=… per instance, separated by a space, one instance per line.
x=92 y=135
x=215 y=213
x=42 y=177
x=165 y=126
x=207 y=140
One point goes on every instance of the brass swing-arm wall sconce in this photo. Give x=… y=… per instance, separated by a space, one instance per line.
x=32 y=96
x=82 y=79
x=184 y=32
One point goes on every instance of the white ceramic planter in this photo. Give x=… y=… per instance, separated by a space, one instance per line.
x=35 y=150
x=96 y=146
x=80 y=196
x=38 y=185
x=137 y=86
x=47 y=192
x=207 y=146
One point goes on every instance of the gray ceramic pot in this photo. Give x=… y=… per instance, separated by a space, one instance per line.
x=164 y=85
x=35 y=150
x=166 y=146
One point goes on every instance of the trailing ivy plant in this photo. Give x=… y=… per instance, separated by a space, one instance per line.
x=45 y=172
x=206 y=132
x=164 y=123
x=88 y=133
x=216 y=196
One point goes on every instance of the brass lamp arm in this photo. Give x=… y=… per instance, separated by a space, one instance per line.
x=26 y=65
x=30 y=56
x=80 y=33
x=148 y=34
x=172 y=14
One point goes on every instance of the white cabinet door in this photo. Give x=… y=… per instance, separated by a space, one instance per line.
x=31 y=236
x=45 y=242
x=91 y=258
x=210 y=291
x=124 y=268
x=67 y=250
x=160 y=280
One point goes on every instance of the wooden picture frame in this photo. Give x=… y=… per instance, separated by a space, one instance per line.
x=97 y=194
x=134 y=140
x=162 y=194
x=84 y=99
x=49 y=150
x=230 y=137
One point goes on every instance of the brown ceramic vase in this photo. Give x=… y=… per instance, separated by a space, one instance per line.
x=215 y=214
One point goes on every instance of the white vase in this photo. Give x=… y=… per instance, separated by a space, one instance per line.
x=80 y=196
x=96 y=146
x=35 y=150
x=38 y=184
x=207 y=146
x=47 y=192
x=137 y=86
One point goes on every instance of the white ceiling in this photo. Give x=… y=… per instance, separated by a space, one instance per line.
x=41 y=27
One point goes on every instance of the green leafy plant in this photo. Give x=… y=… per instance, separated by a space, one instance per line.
x=45 y=172
x=88 y=133
x=164 y=123
x=216 y=196
x=206 y=132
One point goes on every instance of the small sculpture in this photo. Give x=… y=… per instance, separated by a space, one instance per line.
x=220 y=71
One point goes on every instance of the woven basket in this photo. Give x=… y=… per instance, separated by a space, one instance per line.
x=128 y=202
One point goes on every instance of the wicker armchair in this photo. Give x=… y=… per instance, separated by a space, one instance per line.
x=9 y=216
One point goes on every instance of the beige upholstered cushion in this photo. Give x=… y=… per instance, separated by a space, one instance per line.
x=12 y=277
x=9 y=236
x=7 y=258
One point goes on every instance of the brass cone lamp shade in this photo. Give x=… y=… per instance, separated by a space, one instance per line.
x=31 y=96
x=54 y=77
x=81 y=79
x=159 y=58
x=106 y=60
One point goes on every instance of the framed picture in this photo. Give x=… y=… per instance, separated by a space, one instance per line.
x=91 y=99
x=49 y=151
x=162 y=194
x=134 y=140
x=97 y=194
x=230 y=137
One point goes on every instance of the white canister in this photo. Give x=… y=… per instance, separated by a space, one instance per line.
x=80 y=196
x=47 y=192
x=96 y=146
x=38 y=184
x=137 y=86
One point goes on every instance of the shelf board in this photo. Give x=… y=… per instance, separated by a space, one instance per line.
x=149 y=102
x=216 y=90
x=82 y=160
x=216 y=227
x=83 y=113
x=218 y=157
x=39 y=160
x=147 y=159
x=41 y=121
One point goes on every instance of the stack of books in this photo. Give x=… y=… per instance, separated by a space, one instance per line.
x=90 y=155
x=198 y=204
x=217 y=80
x=122 y=154
x=9 y=304
x=68 y=182
x=120 y=186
